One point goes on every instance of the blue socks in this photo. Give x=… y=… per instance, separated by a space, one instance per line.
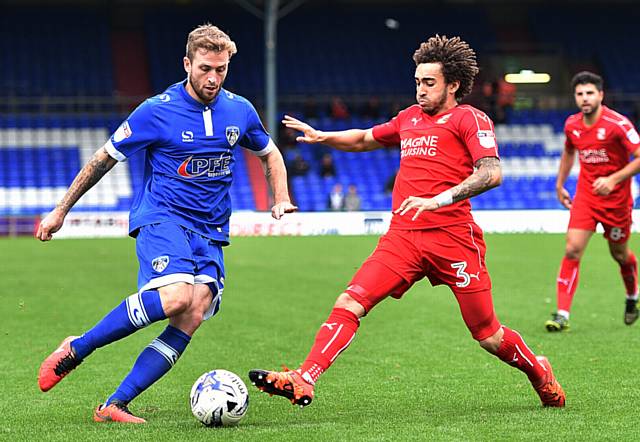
x=154 y=361
x=135 y=312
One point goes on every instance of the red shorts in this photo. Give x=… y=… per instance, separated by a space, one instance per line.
x=452 y=255
x=616 y=222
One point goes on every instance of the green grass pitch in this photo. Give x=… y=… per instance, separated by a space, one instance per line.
x=412 y=373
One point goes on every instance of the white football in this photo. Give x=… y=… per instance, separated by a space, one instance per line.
x=219 y=398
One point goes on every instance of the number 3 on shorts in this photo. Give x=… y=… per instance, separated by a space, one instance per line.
x=460 y=267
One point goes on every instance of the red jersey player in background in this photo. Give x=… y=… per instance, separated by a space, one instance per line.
x=448 y=154
x=604 y=141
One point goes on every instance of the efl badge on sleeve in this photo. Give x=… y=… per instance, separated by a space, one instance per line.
x=487 y=139
x=160 y=263
x=124 y=131
x=232 y=132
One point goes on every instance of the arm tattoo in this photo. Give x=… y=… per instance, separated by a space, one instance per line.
x=479 y=181
x=267 y=172
x=90 y=174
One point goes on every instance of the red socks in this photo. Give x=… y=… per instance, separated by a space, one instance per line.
x=567 y=282
x=333 y=338
x=515 y=352
x=629 y=272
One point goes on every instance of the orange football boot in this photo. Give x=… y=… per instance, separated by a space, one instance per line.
x=550 y=392
x=287 y=383
x=116 y=411
x=57 y=365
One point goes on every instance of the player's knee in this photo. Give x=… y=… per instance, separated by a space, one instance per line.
x=176 y=298
x=573 y=251
x=346 y=302
x=493 y=342
x=620 y=256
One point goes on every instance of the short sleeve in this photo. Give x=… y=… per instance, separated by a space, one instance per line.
x=568 y=144
x=629 y=136
x=387 y=134
x=476 y=130
x=137 y=132
x=256 y=138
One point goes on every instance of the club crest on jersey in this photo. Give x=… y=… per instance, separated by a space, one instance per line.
x=124 y=131
x=160 y=263
x=601 y=134
x=232 y=133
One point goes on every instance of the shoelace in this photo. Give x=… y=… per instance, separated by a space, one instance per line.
x=66 y=364
x=122 y=407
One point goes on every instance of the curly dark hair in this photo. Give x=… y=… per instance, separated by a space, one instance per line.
x=586 y=77
x=458 y=61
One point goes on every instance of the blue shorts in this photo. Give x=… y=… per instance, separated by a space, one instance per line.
x=169 y=253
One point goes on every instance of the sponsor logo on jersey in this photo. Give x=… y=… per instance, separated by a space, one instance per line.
x=124 y=131
x=232 y=133
x=187 y=136
x=632 y=135
x=443 y=119
x=425 y=146
x=160 y=263
x=594 y=156
x=487 y=139
x=211 y=167
x=601 y=133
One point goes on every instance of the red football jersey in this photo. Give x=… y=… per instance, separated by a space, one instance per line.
x=603 y=149
x=436 y=153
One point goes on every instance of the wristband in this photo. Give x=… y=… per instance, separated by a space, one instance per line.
x=444 y=199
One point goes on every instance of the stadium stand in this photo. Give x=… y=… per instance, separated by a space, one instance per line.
x=41 y=151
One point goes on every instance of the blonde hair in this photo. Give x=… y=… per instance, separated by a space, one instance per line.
x=209 y=38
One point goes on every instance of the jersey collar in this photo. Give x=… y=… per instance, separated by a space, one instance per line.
x=195 y=103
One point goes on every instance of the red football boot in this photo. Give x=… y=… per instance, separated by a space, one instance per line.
x=289 y=384
x=550 y=392
x=57 y=365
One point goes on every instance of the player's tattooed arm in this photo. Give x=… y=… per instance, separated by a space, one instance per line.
x=276 y=174
x=91 y=173
x=486 y=176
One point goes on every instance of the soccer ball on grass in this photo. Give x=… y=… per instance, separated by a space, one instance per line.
x=219 y=398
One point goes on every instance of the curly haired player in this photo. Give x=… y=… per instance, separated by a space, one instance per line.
x=448 y=155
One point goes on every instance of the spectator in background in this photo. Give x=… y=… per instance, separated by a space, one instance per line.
x=338 y=109
x=299 y=166
x=352 y=200
x=287 y=138
x=327 y=168
x=371 y=109
x=336 y=198
x=310 y=108
x=391 y=181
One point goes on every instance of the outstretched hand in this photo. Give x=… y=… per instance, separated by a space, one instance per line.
x=311 y=135
x=279 y=209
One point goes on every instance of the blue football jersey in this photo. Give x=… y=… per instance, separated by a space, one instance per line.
x=189 y=157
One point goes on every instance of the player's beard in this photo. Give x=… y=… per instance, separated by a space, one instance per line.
x=200 y=91
x=432 y=108
x=592 y=109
